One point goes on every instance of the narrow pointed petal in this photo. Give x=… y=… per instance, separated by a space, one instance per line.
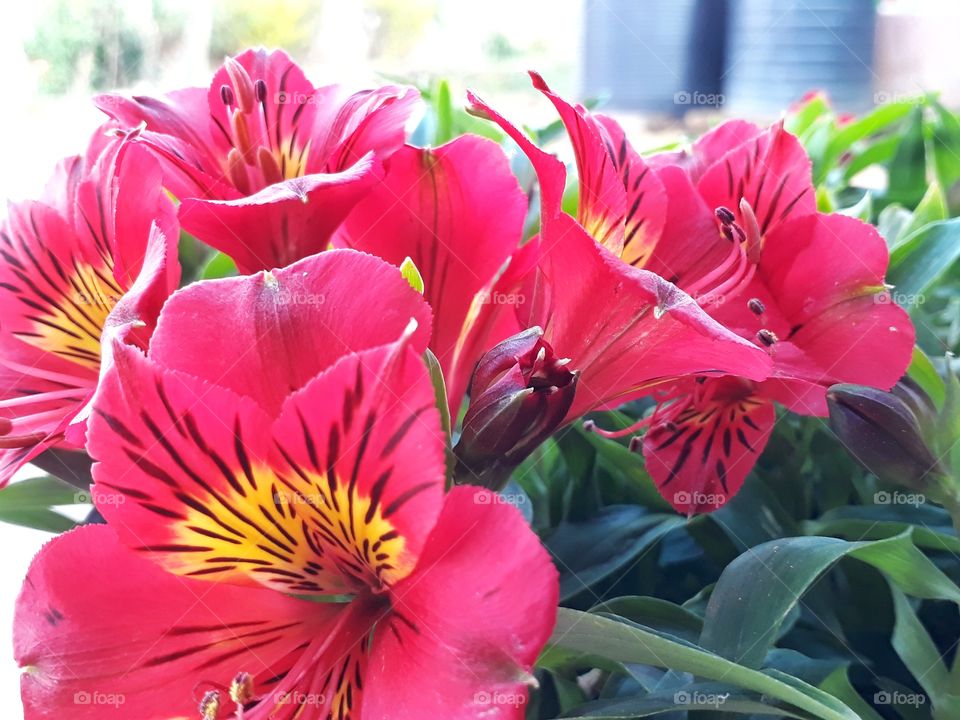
x=282 y=223
x=179 y=131
x=269 y=334
x=125 y=639
x=457 y=211
x=465 y=632
x=603 y=197
x=624 y=329
x=644 y=220
x=551 y=173
x=701 y=452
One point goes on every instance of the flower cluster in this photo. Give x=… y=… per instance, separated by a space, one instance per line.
x=271 y=449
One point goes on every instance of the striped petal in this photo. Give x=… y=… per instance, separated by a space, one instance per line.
x=702 y=445
x=125 y=639
x=770 y=171
x=100 y=258
x=339 y=501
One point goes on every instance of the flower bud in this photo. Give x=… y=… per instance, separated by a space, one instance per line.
x=883 y=432
x=520 y=394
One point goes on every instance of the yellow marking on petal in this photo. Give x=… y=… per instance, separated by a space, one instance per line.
x=289 y=533
x=72 y=327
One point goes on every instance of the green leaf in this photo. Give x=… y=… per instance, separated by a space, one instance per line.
x=412 y=274
x=917 y=649
x=874 y=122
x=945 y=145
x=588 y=552
x=28 y=503
x=742 y=625
x=930 y=526
x=620 y=641
x=924 y=257
x=880 y=152
x=443 y=105
x=440 y=393
x=218 y=266
x=862 y=210
x=907 y=171
x=923 y=372
x=932 y=208
x=838 y=685
x=891 y=223
x=800 y=121
x=655 y=613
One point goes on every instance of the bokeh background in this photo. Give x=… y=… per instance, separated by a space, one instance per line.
x=666 y=68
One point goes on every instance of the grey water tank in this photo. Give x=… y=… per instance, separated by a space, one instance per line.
x=777 y=50
x=652 y=55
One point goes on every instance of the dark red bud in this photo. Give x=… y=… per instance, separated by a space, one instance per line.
x=520 y=394
x=883 y=433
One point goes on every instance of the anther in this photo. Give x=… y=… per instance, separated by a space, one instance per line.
x=226 y=94
x=756 y=306
x=6 y=427
x=241 y=689
x=260 y=89
x=767 y=337
x=210 y=705
x=725 y=215
x=636 y=443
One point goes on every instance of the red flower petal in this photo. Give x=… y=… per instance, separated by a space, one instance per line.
x=123 y=638
x=702 y=446
x=839 y=315
x=691 y=244
x=282 y=223
x=267 y=335
x=625 y=329
x=465 y=628
x=716 y=143
x=266 y=165
x=457 y=212
x=340 y=501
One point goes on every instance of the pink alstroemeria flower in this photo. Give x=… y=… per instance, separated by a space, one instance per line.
x=91 y=261
x=622 y=329
x=266 y=165
x=733 y=222
x=279 y=543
